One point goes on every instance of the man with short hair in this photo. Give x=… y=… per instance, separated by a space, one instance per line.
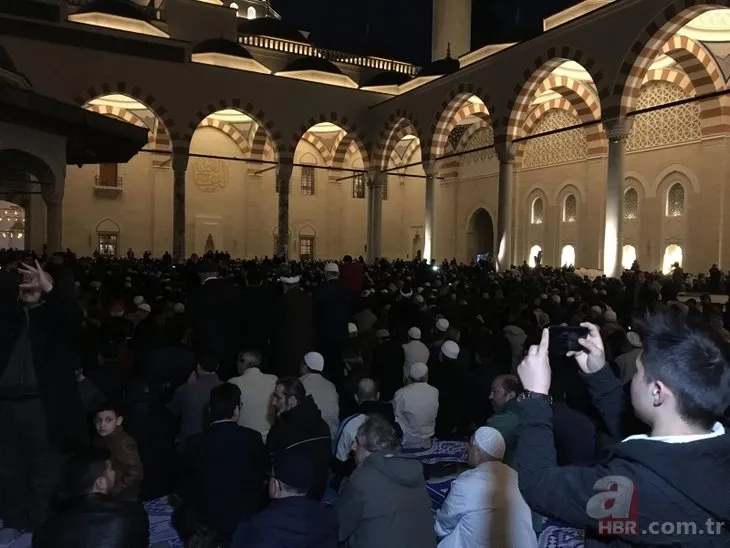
x=415 y=407
x=484 y=506
x=291 y=519
x=506 y=418
x=332 y=311
x=323 y=392
x=299 y=423
x=673 y=475
x=256 y=391
x=91 y=516
x=385 y=501
x=191 y=399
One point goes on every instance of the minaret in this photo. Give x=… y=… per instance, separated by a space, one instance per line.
x=451 y=25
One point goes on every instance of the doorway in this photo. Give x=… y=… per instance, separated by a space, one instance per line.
x=480 y=235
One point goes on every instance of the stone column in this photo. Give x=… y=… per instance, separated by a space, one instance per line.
x=283 y=177
x=376 y=180
x=506 y=154
x=617 y=130
x=429 y=228
x=179 y=167
x=54 y=224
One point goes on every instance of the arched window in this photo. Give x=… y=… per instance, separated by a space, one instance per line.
x=107 y=238
x=570 y=209
x=535 y=250
x=307 y=235
x=672 y=256
x=251 y=13
x=567 y=257
x=628 y=257
x=631 y=204
x=538 y=211
x=675 y=200
x=307 y=182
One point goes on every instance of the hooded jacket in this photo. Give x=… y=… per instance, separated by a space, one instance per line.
x=677 y=486
x=385 y=505
x=303 y=427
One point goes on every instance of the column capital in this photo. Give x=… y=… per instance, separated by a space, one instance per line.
x=431 y=168
x=180 y=158
x=618 y=129
x=284 y=169
x=506 y=151
x=375 y=178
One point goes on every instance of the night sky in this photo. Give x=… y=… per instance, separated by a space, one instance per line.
x=377 y=27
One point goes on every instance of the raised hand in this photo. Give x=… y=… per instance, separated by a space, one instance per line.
x=35 y=278
x=593 y=357
x=534 y=371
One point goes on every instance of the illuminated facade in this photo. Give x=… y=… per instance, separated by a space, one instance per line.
x=254 y=131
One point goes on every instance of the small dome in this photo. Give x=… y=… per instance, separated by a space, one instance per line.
x=390 y=78
x=220 y=45
x=120 y=8
x=442 y=67
x=268 y=26
x=312 y=63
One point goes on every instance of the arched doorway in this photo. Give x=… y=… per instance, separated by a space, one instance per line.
x=480 y=237
x=12 y=226
x=629 y=256
x=672 y=254
x=567 y=256
x=535 y=250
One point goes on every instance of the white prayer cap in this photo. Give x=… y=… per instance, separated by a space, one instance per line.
x=490 y=441
x=556 y=299
x=314 y=361
x=128 y=279
x=596 y=309
x=351 y=328
x=178 y=308
x=418 y=370
x=450 y=349
x=128 y=285
x=406 y=294
x=332 y=268
x=570 y=300
x=418 y=299
x=289 y=280
x=442 y=324
x=384 y=291
x=610 y=316
x=543 y=296
x=414 y=333
x=382 y=333
x=634 y=339
x=145 y=307
x=138 y=300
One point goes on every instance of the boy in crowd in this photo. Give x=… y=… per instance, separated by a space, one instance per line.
x=124 y=454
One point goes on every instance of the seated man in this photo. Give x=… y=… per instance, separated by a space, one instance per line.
x=506 y=418
x=234 y=464
x=384 y=503
x=299 y=423
x=484 y=506
x=323 y=392
x=416 y=406
x=673 y=475
x=291 y=519
x=91 y=516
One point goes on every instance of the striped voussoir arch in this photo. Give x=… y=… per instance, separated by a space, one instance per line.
x=559 y=103
x=450 y=166
x=343 y=122
x=249 y=110
x=230 y=130
x=445 y=118
x=344 y=146
x=533 y=76
x=135 y=92
x=398 y=160
x=121 y=114
x=398 y=125
x=696 y=63
x=673 y=76
x=317 y=143
x=262 y=147
x=646 y=48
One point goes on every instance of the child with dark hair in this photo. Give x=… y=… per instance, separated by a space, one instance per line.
x=124 y=453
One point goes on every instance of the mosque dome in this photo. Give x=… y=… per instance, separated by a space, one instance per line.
x=222 y=46
x=312 y=63
x=389 y=78
x=441 y=67
x=119 y=8
x=269 y=26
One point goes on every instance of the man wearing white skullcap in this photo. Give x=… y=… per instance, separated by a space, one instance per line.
x=323 y=392
x=415 y=407
x=414 y=350
x=484 y=506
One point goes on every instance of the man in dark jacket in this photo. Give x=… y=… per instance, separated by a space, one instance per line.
x=234 y=464
x=646 y=486
x=91 y=516
x=332 y=311
x=299 y=424
x=388 y=359
x=291 y=520
x=384 y=503
x=294 y=333
x=41 y=413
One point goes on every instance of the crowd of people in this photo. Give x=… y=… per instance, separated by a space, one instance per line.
x=280 y=404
